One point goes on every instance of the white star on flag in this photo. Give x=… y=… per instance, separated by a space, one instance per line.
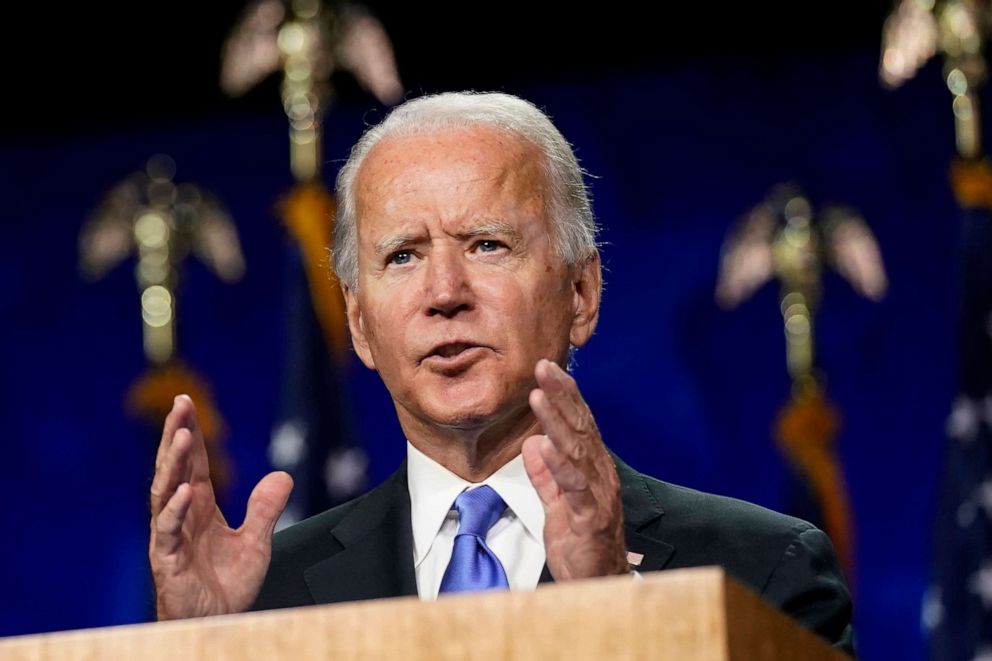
x=981 y=584
x=288 y=447
x=984 y=654
x=962 y=423
x=344 y=472
x=984 y=497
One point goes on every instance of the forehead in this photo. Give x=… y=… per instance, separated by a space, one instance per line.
x=450 y=173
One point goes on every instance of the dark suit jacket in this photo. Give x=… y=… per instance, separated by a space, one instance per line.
x=364 y=550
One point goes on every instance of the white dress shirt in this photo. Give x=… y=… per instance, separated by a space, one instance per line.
x=517 y=538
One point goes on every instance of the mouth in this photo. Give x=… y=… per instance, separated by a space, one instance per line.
x=453 y=357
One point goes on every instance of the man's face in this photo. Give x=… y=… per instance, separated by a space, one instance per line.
x=460 y=291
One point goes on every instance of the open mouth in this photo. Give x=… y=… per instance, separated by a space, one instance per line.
x=454 y=356
x=451 y=350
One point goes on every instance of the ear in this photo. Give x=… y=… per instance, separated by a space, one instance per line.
x=587 y=285
x=357 y=326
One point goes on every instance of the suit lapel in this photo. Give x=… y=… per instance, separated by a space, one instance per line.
x=641 y=511
x=376 y=560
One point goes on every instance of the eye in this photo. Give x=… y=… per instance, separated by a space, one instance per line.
x=400 y=257
x=489 y=245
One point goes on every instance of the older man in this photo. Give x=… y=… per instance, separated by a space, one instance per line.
x=465 y=247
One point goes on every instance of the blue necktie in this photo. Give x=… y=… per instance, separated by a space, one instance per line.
x=473 y=565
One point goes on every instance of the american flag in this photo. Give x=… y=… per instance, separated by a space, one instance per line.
x=958 y=608
x=313 y=439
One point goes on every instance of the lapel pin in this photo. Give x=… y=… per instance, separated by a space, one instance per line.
x=634 y=559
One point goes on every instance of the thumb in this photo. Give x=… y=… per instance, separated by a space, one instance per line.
x=267 y=501
x=537 y=470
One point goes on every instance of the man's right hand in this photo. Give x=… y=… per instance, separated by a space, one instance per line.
x=201 y=566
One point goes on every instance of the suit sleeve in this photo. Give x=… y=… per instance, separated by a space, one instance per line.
x=808 y=585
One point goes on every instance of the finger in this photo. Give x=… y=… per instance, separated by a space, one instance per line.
x=183 y=415
x=573 y=483
x=564 y=394
x=199 y=463
x=562 y=434
x=584 y=441
x=181 y=406
x=168 y=525
x=267 y=501
x=538 y=471
x=173 y=470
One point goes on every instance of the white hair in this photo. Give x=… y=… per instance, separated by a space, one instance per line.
x=570 y=209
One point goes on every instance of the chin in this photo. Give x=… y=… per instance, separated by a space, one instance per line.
x=461 y=414
x=465 y=405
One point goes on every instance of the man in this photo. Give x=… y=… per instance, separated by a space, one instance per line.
x=465 y=247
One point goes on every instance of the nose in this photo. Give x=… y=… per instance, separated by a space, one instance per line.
x=449 y=291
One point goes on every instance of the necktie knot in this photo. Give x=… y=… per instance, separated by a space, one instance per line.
x=478 y=510
x=473 y=565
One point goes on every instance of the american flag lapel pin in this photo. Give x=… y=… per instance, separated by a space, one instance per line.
x=634 y=559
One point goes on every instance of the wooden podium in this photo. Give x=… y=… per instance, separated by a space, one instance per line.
x=682 y=615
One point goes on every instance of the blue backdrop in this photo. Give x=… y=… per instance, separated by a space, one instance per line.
x=681 y=389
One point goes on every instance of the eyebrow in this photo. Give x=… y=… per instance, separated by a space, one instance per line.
x=492 y=227
x=392 y=243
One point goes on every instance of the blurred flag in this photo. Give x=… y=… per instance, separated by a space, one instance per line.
x=308 y=41
x=312 y=439
x=958 y=609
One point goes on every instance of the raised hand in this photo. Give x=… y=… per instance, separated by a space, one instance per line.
x=201 y=566
x=576 y=480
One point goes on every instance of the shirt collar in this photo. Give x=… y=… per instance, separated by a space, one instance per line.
x=433 y=489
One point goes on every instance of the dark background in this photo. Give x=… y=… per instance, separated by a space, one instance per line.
x=686 y=118
x=82 y=67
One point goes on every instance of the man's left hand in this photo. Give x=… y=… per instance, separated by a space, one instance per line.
x=576 y=480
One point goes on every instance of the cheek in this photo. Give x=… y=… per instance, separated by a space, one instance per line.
x=535 y=319
x=385 y=325
x=553 y=299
